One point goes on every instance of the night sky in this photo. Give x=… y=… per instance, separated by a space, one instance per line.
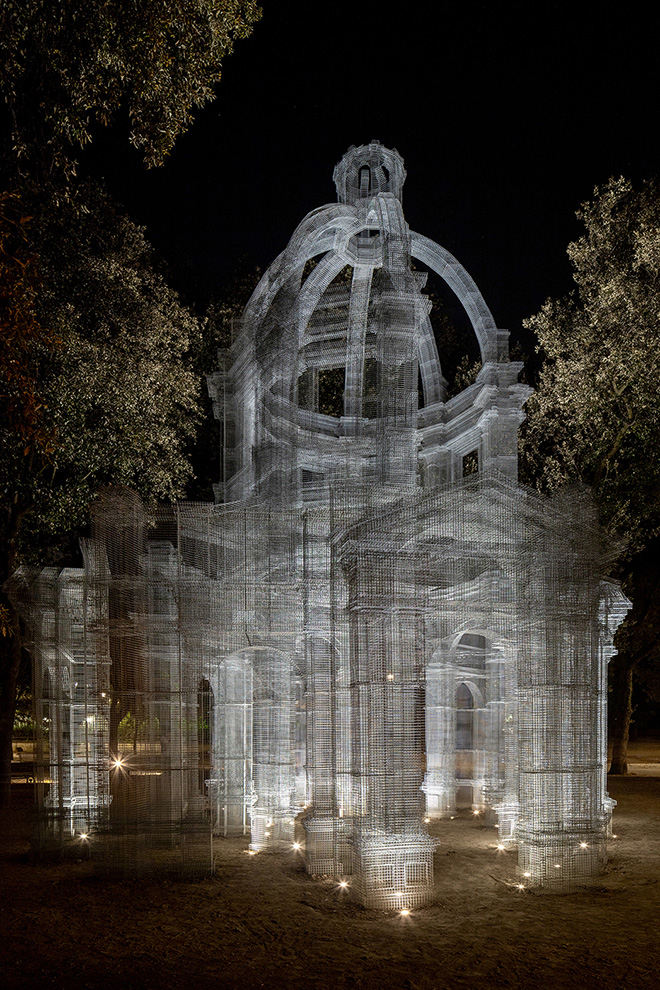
x=506 y=115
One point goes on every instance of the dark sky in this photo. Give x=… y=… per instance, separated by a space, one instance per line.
x=506 y=115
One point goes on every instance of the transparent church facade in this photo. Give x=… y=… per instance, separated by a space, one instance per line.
x=356 y=635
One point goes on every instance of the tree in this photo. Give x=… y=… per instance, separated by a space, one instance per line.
x=119 y=396
x=595 y=416
x=219 y=329
x=67 y=67
x=20 y=331
x=97 y=387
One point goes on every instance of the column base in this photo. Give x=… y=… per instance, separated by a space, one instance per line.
x=393 y=872
x=328 y=850
x=271 y=832
x=507 y=820
x=562 y=862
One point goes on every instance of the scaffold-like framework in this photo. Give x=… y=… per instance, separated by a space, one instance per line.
x=375 y=625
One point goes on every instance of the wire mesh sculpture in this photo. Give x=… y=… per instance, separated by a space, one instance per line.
x=364 y=629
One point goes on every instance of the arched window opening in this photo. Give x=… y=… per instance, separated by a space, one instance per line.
x=331 y=385
x=464 y=702
x=365 y=180
x=471 y=463
x=464 y=717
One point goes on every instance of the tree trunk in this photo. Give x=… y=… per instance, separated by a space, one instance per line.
x=622 y=688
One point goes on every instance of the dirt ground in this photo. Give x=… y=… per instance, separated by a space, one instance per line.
x=261 y=921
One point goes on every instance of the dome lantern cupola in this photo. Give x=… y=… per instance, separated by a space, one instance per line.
x=368 y=170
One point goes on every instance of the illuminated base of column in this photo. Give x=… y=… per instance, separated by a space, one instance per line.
x=271 y=831
x=328 y=850
x=562 y=862
x=609 y=804
x=507 y=813
x=440 y=790
x=393 y=872
x=228 y=811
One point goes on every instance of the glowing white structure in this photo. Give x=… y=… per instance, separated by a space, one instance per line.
x=376 y=624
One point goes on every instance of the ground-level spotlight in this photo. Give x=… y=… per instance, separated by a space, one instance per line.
x=297 y=846
x=404 y=912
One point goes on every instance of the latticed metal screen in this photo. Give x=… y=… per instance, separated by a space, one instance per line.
x=375 y=626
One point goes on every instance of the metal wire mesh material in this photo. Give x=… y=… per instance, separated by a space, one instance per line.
x=375 y=625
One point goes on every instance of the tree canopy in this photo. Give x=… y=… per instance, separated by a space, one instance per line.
x=595 y=416
x=119 y=394
x=20 y=331
x=69 y=65
x=96 y=352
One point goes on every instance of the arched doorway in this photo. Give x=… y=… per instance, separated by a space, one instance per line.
x=465 y=746
x=205 y=705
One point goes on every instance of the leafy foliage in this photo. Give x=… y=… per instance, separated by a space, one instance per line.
x=119 y=394
x=96 y=351
x=21 y=334
x=596 y=413
x=66 y=67
x=595 y=416
x=216 y=332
